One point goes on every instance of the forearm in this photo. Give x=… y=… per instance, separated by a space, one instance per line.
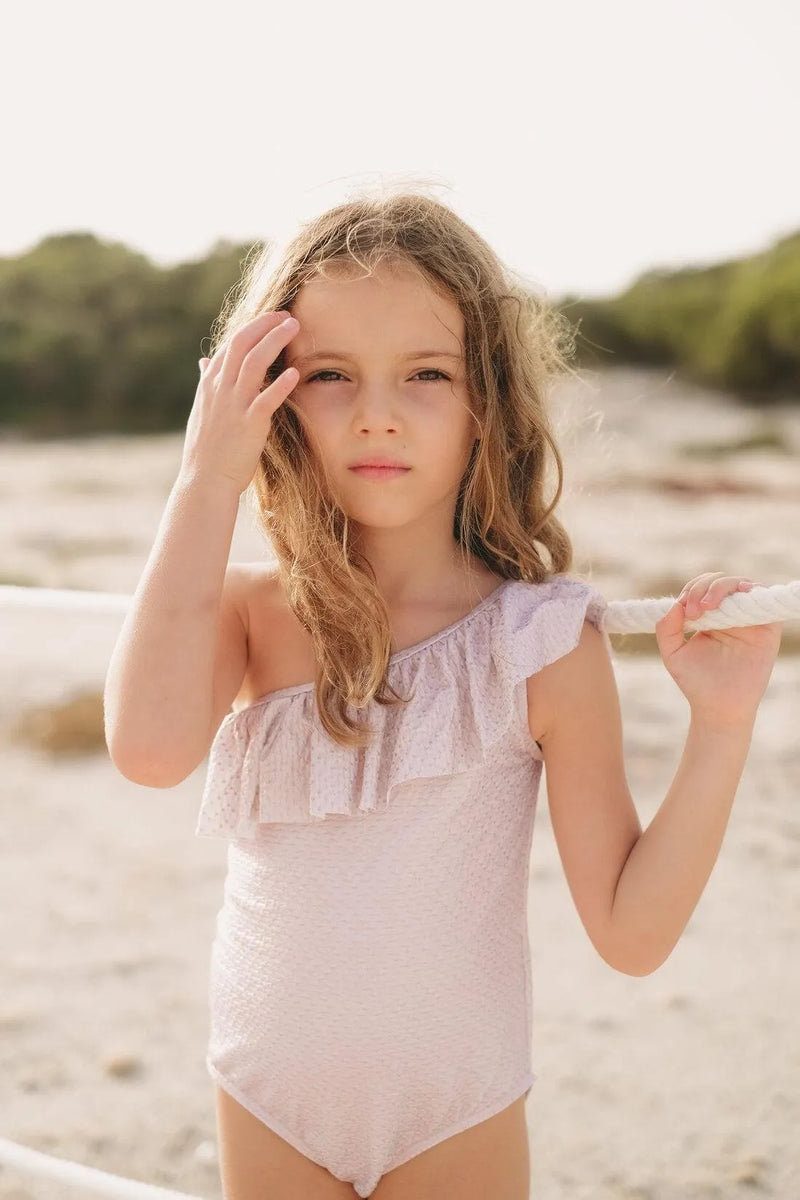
x=158 y=689
x=670 y=863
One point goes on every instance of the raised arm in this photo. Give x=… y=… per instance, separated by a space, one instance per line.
x=182 y=652
x=159 y=689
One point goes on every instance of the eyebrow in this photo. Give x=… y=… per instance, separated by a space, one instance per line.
x=415 y=354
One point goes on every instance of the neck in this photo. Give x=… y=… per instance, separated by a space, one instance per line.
x=412 y=566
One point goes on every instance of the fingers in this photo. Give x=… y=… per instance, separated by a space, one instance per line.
x=227 y=361
x=669 y=631
x=707 y=591
x=273 y=396
x=258 y=360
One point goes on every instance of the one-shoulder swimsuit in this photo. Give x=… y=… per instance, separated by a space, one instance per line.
x=370 y=989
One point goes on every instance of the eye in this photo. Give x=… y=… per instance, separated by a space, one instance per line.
x=311 y=378
x=424 y=371
x=433 y=371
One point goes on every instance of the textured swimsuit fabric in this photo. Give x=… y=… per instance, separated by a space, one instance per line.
x=370 y=989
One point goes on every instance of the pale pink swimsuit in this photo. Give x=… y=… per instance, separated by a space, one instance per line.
x=370 y=989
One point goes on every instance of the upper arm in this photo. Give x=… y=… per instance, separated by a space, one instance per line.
x=230 y=655
x=579 y=727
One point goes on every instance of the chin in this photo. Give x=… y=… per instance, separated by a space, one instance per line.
x=375 y=519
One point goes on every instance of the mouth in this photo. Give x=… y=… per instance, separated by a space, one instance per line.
x=379 y=471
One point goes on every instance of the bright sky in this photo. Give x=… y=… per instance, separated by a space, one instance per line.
x=587 y=140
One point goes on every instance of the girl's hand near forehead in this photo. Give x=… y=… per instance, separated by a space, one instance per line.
x=230 y=418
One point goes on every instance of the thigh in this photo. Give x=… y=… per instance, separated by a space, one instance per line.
x=256 y=1164
x=488 y=1161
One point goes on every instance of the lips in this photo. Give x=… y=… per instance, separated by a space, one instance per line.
x=379 y=462
x=382 y=474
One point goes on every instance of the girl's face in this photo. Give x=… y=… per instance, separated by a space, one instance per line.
x=387 y=380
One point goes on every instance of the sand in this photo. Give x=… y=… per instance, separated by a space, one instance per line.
x=685 y=1083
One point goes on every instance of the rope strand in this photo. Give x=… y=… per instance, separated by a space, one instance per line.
x=89 y=1178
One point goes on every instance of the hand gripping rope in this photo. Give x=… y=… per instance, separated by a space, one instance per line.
x=759 y=606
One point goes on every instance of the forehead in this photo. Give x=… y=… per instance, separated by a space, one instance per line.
x=348 y=310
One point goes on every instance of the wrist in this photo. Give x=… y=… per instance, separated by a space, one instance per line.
x=196 y=480
x=735 y=725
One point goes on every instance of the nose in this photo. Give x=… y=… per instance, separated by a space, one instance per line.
x=374 y=409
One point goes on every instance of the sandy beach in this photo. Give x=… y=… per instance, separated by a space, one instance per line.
x=683 y=1085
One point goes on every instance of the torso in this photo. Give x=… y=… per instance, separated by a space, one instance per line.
x=281 y=653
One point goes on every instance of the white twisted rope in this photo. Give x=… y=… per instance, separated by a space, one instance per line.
x=88 y=1178
x=759 y=606
x=13 y=596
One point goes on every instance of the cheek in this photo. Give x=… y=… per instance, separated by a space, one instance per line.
x=319 y=425
x=318 y=404
x=457 y=430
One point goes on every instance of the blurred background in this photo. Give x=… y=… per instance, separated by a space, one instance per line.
x=632 y=163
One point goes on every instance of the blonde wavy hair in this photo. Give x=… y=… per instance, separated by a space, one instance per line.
x=515 y=344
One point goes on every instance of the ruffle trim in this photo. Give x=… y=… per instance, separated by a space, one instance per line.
x=274 y=762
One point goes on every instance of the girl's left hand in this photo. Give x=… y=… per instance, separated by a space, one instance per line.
x=723 y=673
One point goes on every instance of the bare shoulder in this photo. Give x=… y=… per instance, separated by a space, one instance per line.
x=253 y=583
x=280 y=652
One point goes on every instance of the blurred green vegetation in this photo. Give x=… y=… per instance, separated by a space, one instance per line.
x=95 y=338
x=733 y=325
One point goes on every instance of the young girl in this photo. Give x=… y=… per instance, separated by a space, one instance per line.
x=398 y=681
